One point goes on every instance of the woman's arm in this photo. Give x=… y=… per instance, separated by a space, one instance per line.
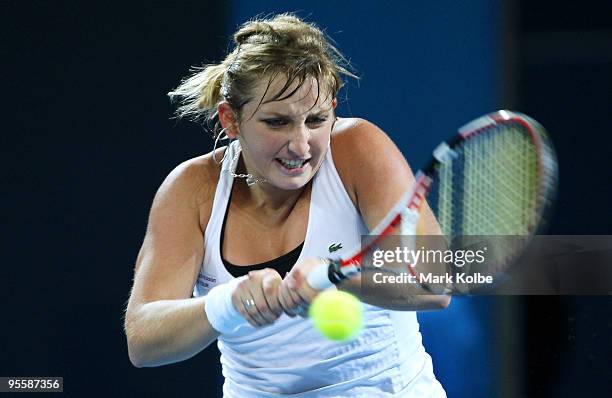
x=376 y=175
x=163 y=324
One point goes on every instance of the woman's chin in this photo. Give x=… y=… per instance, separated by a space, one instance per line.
x=290 y=184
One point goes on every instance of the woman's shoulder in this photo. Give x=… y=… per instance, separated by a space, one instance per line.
x=196 y=173
x=195 y=181
x=372 y=168
x=356 y=134
x=347 y=125
x=357 y=144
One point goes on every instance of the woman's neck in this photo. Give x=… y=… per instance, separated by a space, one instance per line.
x=262 y=195
x=267 y=199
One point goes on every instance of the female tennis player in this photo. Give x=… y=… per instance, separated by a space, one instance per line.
x=233 y=234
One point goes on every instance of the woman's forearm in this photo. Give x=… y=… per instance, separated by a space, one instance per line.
x=167 y=331
x=403 y=298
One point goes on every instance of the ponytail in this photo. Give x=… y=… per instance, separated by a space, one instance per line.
x=199 y=94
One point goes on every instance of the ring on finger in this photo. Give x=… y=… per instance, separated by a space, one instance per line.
x=248 y=303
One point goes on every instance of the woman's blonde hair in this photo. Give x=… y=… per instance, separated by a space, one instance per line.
x=283 y=46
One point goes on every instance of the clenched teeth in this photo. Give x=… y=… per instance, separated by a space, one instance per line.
x=292 y=164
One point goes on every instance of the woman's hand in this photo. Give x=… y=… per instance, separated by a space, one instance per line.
x=295 y=293
x=257 y=297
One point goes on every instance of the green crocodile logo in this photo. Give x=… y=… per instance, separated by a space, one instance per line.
x=335 y=247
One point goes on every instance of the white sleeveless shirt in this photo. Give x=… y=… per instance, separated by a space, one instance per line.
x=289 y=357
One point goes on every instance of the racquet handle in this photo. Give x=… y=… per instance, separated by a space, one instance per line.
x=318 y=278
x=330 y=273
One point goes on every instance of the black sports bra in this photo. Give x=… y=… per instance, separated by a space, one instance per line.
x=282 y=264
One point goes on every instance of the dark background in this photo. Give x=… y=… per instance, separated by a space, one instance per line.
x=565 y=78
x=87 y=139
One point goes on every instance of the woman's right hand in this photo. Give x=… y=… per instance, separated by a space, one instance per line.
x=257 y=297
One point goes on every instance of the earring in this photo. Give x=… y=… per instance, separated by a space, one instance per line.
x=214 y=153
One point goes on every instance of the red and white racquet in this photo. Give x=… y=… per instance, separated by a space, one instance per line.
x=495 y=178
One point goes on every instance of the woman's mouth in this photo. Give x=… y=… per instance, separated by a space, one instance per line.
x=292 y=166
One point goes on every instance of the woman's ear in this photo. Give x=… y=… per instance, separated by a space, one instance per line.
x=334 y=103
x=228 y=119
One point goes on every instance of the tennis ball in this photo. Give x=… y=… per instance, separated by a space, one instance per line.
x=337 y=315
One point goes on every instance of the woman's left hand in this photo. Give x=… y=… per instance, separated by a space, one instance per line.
x=295 y=293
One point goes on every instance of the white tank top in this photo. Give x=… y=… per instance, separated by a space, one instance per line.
x=289 y=357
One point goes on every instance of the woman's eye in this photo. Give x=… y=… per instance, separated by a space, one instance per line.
x=280 y=122
x=275 y=122
x=316 y=120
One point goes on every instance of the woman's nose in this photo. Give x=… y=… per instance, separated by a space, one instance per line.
x=299 y=143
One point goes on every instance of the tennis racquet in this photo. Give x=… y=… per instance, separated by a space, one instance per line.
x=489 y=188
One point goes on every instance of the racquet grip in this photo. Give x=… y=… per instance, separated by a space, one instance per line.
x=318 y=278
x=325 y=275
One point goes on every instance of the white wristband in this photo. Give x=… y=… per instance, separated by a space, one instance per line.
x=220 y=311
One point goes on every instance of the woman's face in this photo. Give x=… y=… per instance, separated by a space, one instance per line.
x=285 y=141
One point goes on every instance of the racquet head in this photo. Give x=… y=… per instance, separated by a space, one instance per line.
x=489 y=188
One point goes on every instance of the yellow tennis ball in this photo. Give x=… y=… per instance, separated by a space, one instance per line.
x=337 y=315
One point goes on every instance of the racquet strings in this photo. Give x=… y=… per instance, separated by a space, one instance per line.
x=486 y=195
x=490 y=186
